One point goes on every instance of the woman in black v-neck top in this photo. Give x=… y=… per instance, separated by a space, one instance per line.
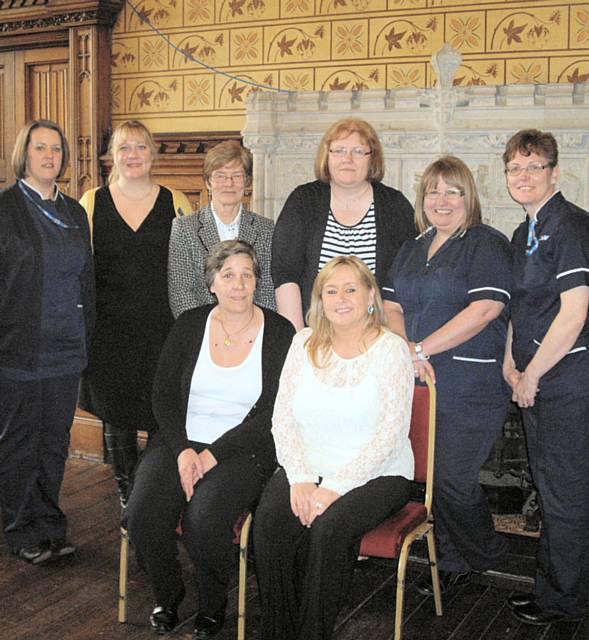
x=131 y=221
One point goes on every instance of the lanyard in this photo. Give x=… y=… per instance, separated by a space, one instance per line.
x=46 y=213
x=533 y=242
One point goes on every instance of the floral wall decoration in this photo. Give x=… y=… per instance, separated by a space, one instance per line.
x=327 y=45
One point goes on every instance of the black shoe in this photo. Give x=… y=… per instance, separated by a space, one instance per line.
x=208 y=626
x=61 y=548
x=532 y=614
x=164 y=619
x=34 y=555
x=520 y=600
x=448 y=580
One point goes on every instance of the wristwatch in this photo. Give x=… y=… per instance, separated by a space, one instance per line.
x=419 y=352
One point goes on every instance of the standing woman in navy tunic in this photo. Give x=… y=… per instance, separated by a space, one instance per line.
x=46 y=312
x=446 y=293
x=547 y=366
x=130 y=221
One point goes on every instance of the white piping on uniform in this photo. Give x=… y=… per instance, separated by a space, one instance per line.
x=388 y=289
x=575 y=350
x=484 y=360
x=490 y=289
x=566 y=273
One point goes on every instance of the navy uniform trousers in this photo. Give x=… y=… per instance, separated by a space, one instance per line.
x=557 y=435
x=464 y=529
x=35 y=422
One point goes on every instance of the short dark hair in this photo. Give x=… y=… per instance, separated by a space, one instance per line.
x=21 y=146
x=528 y=141
x=223 y=250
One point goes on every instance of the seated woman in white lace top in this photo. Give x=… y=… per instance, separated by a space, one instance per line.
x=341 y=428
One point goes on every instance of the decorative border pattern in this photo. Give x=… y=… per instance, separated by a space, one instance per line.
x=330 y=45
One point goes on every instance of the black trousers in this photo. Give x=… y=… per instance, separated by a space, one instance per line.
x=304 y=573
x=155 y=506
x=35 y=422
x=465 y=534
x=557 y=436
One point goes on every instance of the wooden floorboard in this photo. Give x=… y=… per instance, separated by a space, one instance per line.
x=75 y=598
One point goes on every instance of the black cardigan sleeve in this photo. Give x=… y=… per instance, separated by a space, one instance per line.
x=289 y=241
x=87 y=282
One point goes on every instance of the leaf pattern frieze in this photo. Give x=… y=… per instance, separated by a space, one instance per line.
x=332 y=45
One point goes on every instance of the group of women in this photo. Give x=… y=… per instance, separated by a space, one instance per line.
x=235 y=394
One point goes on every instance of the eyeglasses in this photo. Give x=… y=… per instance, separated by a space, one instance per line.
x=356 y=152
x=224 y=177
x=450 y=194
x=533 y=168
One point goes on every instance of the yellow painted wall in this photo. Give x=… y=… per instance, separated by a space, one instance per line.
x=311 y=45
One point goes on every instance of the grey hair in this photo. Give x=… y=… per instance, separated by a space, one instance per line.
x=226 y=249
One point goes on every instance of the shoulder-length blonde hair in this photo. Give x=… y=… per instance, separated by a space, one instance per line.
x=342 y=129
x=21 y=147
x=454 y=172
x=320 y=342
x=118 y=137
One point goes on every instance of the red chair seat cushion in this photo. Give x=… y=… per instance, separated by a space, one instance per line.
x=386 y=540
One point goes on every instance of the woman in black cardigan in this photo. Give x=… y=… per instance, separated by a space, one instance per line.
x=46 y=314
x=346 y=211
x=213 y=399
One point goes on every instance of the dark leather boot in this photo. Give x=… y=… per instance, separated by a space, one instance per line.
x=121 y=445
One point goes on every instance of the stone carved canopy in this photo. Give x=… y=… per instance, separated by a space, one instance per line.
x=416 y=126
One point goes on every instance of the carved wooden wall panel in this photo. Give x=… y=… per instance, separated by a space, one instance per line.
x=46 y=82
x=57 y=49
x=7 y=117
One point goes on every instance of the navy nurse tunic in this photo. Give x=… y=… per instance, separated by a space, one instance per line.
x=472 y=395
x=557 y=426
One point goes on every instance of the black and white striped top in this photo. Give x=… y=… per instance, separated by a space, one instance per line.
x=358 y=240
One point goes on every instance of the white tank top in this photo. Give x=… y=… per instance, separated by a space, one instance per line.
x=221 y=397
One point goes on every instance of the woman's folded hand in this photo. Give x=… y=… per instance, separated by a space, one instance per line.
x=191 y=470
x=321 y=500
x=300 y=500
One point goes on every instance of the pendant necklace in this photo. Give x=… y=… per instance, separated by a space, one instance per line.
x=228 y=336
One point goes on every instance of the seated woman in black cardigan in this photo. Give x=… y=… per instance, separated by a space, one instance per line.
x=213 y=398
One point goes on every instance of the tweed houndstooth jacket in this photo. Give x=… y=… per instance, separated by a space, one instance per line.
x=191 y=240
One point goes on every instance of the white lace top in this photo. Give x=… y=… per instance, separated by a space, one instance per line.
x=347 y=423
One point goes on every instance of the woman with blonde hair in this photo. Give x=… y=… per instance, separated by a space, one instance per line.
x=341 y=428
x=130 y=221
x=346 y=211
x=447 y=293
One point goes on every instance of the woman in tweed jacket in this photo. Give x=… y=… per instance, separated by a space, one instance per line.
x=227 y=172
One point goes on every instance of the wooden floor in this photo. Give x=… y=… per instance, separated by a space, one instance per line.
x=75 y=598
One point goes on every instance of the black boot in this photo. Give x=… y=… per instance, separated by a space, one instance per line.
x=121 y=445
